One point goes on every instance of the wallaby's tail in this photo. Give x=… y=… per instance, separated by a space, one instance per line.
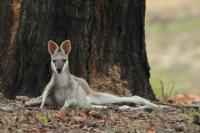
x=105 y=98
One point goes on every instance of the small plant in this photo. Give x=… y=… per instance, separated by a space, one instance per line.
x=183 y=109
x=42 y=119
x=196 y=118
x=165 y=95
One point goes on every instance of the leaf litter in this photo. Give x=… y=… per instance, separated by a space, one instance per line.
x=32 y=119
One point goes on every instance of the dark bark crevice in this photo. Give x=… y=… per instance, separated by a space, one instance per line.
x=6 y=22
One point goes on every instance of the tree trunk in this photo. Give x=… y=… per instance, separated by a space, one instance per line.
x=108 y=45
x=6 y=15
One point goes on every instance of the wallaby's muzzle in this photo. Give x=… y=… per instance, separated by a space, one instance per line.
x=59 y=70
x=59 y=64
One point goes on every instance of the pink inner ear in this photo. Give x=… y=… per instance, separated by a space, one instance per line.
x=52 y=48
x=66 y=47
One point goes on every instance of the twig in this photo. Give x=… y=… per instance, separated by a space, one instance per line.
x=172 y=89
x=162 y=89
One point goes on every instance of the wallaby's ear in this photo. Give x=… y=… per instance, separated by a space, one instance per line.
x=52 y=47
x=66 y=46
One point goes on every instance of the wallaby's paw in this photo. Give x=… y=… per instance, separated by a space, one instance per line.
x=33 y=102
x=41 y=107
x=22 y=98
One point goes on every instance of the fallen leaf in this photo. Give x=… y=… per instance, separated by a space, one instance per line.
x=95 y=114
x=1 y=126
x=186 y=98
x=151 y=130
x=37 y=130
x=84 y=115
x=30 y=117
x=62 y=114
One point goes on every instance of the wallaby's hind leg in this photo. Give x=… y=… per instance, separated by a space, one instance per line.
x=105 y=98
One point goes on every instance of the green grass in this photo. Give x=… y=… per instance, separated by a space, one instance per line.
x=173 y=26
x=168 y=83
x=168 y=78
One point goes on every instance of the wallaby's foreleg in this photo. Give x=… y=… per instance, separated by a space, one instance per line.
x=46 y=93
x=105 y=98
x=68 y=103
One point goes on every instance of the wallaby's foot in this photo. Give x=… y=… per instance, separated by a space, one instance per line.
x=34 y=101
x=98 y=106
x=138 y=108
x=22 y=98
x=162 y=108
x=141 y=101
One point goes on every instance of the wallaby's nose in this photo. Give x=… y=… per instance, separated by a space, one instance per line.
x=59 y=70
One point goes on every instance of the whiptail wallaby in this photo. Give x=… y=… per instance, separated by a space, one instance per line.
x=65 y=89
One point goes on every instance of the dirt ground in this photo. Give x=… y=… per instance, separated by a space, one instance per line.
x=15 y=117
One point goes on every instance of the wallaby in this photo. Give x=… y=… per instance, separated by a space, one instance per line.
x=65 y=89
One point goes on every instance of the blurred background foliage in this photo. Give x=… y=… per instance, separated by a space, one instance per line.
x=173 y=45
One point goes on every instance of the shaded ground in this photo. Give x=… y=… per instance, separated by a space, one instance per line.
x=31 y=119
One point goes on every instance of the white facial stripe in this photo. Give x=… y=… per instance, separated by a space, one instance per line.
x=53 y=67
x=65 y=66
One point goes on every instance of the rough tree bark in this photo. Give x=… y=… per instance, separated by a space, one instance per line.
x=6 y=15
x=108 y=44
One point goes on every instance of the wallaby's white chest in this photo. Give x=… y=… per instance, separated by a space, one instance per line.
x=63 y=88
x=61 y=80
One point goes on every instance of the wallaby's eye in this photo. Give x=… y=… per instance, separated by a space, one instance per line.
x=64 y=60
x=54 y=61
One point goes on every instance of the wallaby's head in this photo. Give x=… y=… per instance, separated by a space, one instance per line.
x=59 y=56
